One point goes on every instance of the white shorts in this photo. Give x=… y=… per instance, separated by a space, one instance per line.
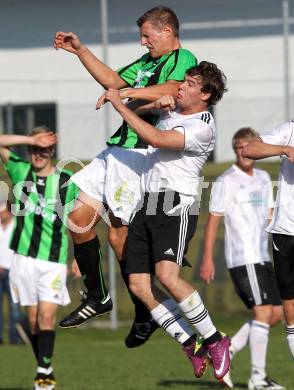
x=34 y=280
x=114 y=178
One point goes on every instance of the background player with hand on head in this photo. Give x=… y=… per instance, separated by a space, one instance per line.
x=39 y=239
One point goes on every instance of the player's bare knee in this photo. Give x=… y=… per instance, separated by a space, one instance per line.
x=168 y=280
x=114 y=238
x=263 y=313
x=277 y=315
x=46 y=320
x=138 y=288
x=33 y=325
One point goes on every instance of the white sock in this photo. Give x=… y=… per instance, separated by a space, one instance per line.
x=241 y=338
x=169 y=318
x=258 y=340
x=290 y=337
x=197 y=315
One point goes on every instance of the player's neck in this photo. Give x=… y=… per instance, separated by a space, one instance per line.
x=173 y=45
x=248 y=170
x=193 y=109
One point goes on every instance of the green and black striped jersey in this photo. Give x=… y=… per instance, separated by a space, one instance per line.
x=147 y=71
x=41 y=206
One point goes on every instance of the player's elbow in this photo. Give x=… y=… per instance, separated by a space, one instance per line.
x=155 y=142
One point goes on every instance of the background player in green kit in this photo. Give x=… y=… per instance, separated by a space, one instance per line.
x=39 y=239
x=113 y=177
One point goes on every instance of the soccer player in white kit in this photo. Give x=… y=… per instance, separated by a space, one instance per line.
x=242 y=195
x=161 y=229
x=280 y=142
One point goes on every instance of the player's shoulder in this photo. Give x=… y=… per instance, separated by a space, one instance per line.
x=186 y=53
x=16 y=158
x=227 y=175
x=204 y=119
x=262 y=174
x=65 y=173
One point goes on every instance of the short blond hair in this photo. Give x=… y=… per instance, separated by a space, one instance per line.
x=39 y=130
x=244 y=133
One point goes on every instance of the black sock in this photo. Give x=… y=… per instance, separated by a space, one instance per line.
x=34 y=343
x=88 y=257
x=142 y=314
x=213 y=339
x=190 y=340
x=46 y=340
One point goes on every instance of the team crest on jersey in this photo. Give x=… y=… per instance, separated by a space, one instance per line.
x=123 y=195
x=140 y=76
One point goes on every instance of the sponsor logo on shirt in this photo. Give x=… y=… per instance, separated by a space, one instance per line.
x=140 y=76
x=40 y=210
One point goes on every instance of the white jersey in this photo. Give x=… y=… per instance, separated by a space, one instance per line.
x=244 y=201
x=179 y=170
x=283 y=218
x=6 y=253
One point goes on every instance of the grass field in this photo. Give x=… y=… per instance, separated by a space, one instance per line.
x=91 y=359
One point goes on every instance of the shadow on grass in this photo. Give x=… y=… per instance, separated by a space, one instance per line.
x=200 y=384
x=14 y=388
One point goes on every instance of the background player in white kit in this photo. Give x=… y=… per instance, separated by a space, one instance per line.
x=280 y=142
x=6 y=255
x=242 y=195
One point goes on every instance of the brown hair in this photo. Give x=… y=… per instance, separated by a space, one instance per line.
x=243 y=133
x=213 y=80
x=159 y=17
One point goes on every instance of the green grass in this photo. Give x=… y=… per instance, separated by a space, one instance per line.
x=91 y=359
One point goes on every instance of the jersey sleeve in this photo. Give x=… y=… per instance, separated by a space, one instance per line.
x=177 y=66
x=269 y=191
x=16 y=167
x=280 y=135
x=129 y=72
x=219 y=197
x=198 y=136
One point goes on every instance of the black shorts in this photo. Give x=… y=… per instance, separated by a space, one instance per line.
x=283 y=254
x=159 y=233
x=256 y=284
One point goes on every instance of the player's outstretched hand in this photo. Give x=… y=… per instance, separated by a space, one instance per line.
x=44 y=140
x=67 y=41
x=113 y=96
x=101 y=101
x=207 y=271
x=165 y=103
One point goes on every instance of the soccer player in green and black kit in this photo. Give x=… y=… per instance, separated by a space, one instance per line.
x=112 y=179
x=39 y=239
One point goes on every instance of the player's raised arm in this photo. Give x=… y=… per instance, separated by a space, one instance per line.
x=257 y=149
x=42 y=140
x=102 y=73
